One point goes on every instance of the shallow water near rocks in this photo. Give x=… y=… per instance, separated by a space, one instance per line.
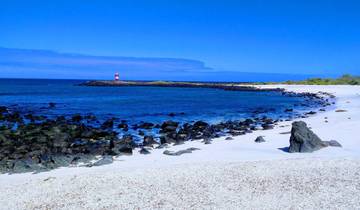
x=135 y=104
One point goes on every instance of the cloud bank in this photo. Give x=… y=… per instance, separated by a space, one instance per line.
x=22 y=63
x=51 y=64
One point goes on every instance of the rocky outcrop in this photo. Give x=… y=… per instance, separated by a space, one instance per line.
x=303 y=140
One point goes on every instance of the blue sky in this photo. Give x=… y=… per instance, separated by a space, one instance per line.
x=319 y=37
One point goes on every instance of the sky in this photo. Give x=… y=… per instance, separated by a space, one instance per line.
x=179 y=40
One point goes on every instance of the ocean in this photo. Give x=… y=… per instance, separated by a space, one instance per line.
x=135 y=104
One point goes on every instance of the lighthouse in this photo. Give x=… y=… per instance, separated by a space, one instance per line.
x=116 y=77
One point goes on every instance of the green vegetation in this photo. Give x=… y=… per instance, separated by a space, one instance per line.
x=343 y=80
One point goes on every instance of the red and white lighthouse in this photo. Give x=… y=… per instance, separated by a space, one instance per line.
x=116 y=77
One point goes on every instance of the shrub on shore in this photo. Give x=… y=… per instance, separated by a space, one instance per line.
x=346 y=79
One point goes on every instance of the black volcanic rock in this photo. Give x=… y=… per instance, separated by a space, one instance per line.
x=52 y=105
x=149 y=141
x=141 y=133
x=303 y=139
x=144 y=151
x=267 y=126
x=3 y=109
x=123 y=125
x=146 y=125
x=76 y=118
x=310 y=113
x=169 y=126
x=200 y=125
x=333 y=143
x=108 y=124
x=180 y=152
x=259 y=139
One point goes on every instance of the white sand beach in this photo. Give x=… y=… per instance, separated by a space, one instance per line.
x=235 y=174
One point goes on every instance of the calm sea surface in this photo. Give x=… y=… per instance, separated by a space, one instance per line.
x=140 y=103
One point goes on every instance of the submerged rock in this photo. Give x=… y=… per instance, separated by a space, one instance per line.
x=3 y=109
x=108 y=124
x=303 y=139
x=76 y=118
x=52 y=105
x=146 y=125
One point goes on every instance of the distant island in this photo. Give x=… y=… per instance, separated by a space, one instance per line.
x=235 y=86
x=217 y=85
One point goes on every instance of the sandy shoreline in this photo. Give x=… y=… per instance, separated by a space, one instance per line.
x=225 y=174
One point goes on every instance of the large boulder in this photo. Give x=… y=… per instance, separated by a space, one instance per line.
x=303 y=139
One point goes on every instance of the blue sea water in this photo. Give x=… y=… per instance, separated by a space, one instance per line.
x=137 y=104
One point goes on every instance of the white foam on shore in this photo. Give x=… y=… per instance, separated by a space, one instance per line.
x=341 y=126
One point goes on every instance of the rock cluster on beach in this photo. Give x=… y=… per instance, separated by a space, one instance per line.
x=44 y=144
x=33 y=143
